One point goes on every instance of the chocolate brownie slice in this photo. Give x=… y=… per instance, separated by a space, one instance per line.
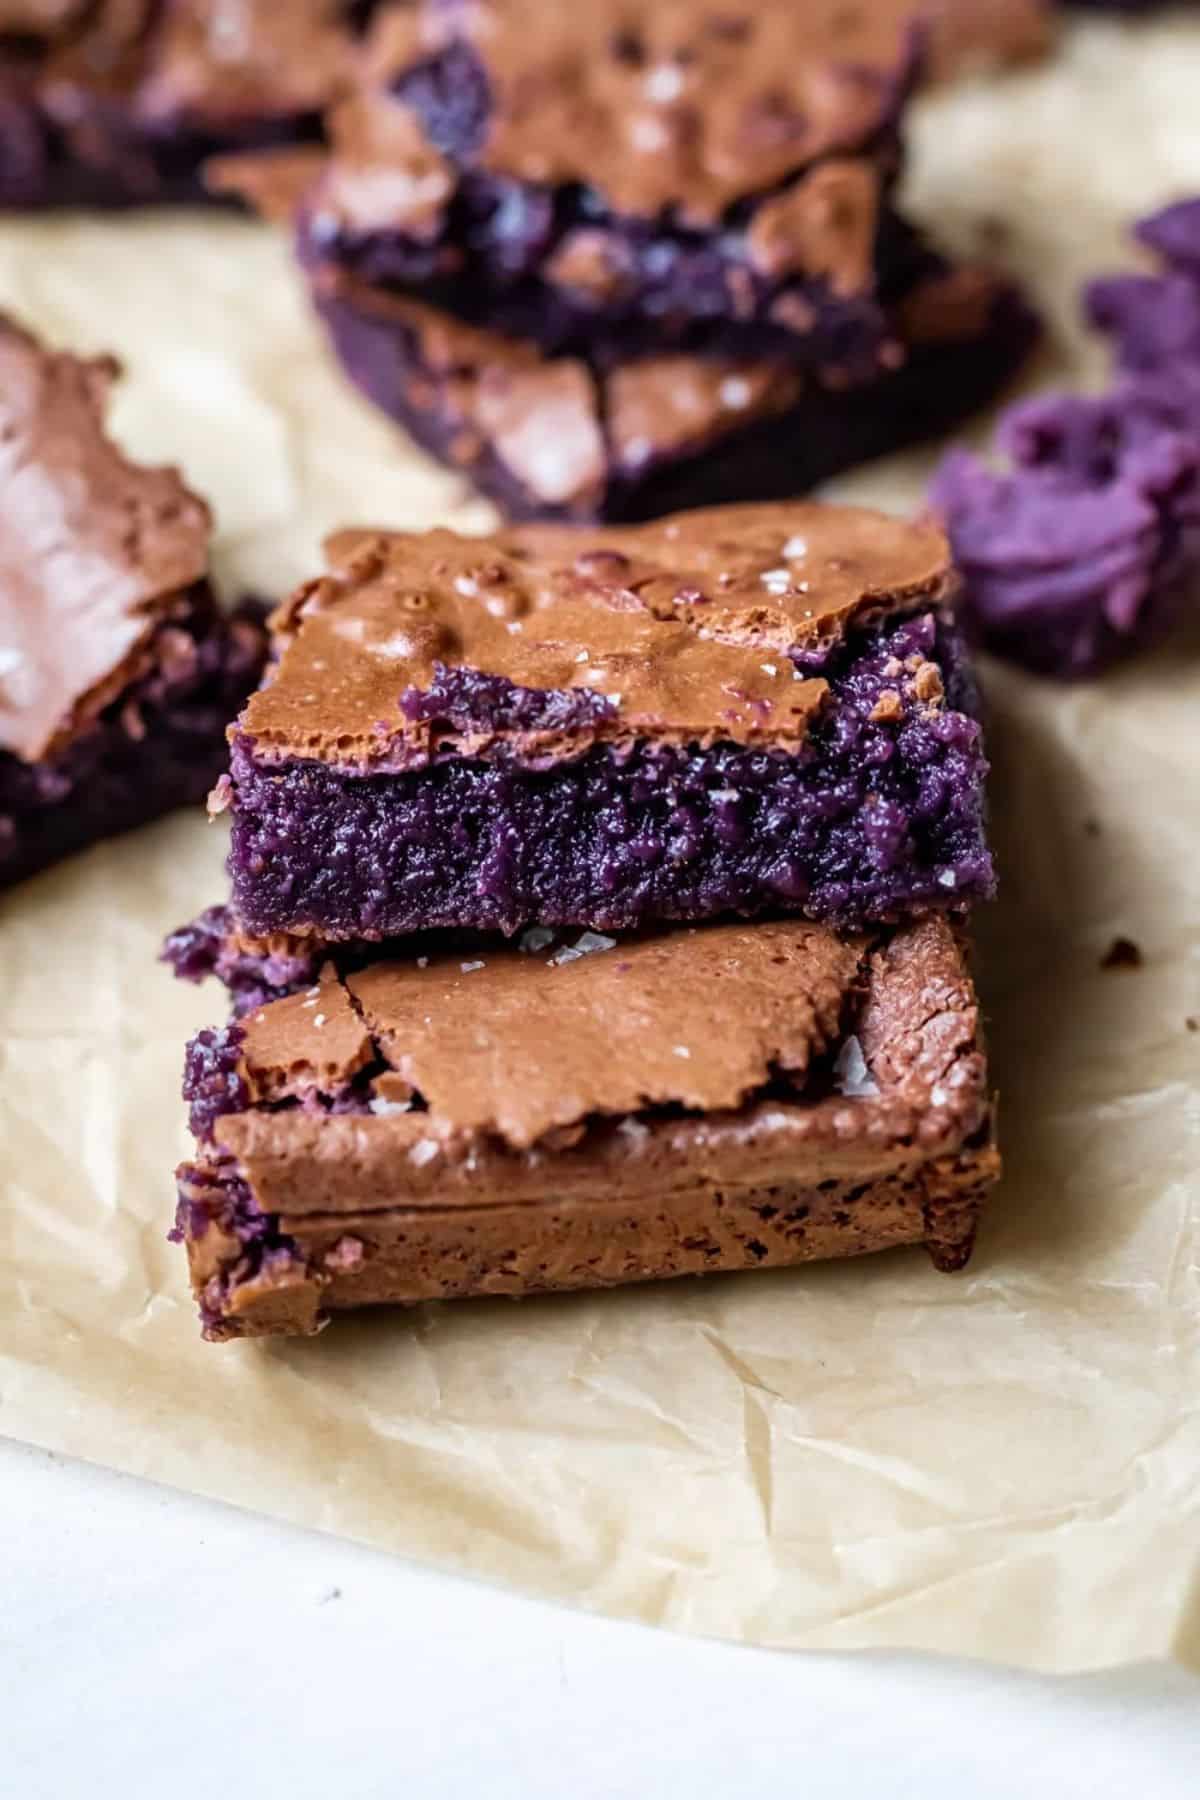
x=118 y=672
x=560 y=438
x=736 y=710
x=736 y=1097
x=121 y=102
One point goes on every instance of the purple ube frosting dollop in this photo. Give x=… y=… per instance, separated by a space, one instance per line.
x=880 y=815
x=1085 y=544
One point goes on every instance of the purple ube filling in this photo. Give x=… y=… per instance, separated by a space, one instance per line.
x=868 y=820
x=207 y=946
x=160 y=745
x=490 y=260
x=1081 y=550
x=1085 y=546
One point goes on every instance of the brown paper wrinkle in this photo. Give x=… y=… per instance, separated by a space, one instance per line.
x=1003 y=1464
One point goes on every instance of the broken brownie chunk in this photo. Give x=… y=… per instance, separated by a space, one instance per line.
x=118 y=672
x=729 y=711
x=733 y=1097
x=119 y=103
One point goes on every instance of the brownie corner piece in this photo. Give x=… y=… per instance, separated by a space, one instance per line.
x=736 y=711
x=118 y=670
x=394 y=1133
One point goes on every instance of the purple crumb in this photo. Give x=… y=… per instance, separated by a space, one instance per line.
x=213 y=1084
x=209 y=946
x=469 y=700
x=1084 y=545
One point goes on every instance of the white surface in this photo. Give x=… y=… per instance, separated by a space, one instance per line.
x=156 y=1645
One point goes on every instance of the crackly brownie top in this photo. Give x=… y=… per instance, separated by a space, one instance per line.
x=225 y=58
x=555 y=637
x=210 y=62
x=682 y=104
x=831 y=1049
x=94 y=550
x=620 y=1028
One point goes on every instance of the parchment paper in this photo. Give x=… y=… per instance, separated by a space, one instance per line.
x=1005 y=1464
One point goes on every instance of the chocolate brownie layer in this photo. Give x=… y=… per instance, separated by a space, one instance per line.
x=121 y=102
x=559 y=437
x=737 y=1097
x=117 y=672
x=726 y=711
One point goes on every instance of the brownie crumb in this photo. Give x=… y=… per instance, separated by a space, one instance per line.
x=1192 y=1024
x=1123 y=953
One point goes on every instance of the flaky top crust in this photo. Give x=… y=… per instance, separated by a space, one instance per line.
x=522 y=1091
x=679 y=630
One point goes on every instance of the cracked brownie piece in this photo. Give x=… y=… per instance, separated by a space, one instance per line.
x=118 y=672
x=120 y=103
x=611 y=181
x=727 y=711
x=562 y=438
x=1085 y=545
x=734 y=1097
x=583 y=174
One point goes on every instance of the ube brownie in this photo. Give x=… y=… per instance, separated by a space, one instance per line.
x=735 y=710
x=119 y=102
x=616 y=179
x=1083 y=544
x=734 y=1097
x=118 y=673
x=562 y=437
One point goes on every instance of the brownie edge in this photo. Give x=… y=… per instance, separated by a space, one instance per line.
x=370 y=1141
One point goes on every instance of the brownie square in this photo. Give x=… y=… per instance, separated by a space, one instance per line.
x=118 y=672
x=733 y=1097
x=737 y=711
x=120 y=103
x=562 y=437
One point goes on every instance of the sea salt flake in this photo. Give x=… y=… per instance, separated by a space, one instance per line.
x=795 y=548
x=948 y=879
x=735 y=392
x=768 y=668
x=680 y=1050
x=664 y=83
x=469 y=968
x=854 y=1079
x=587 y=945
x=777 y=580
x=422 y=962
x=535 y=939
x=728 y=794
x=382 y=1107
x=9 y=660
x=319 y=1020
x=464 y=584
x=423 y=1153
x=582 y=657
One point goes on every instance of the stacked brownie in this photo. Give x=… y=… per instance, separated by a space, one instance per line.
x=118 y=672
x=615 y=260
x=597 y=915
